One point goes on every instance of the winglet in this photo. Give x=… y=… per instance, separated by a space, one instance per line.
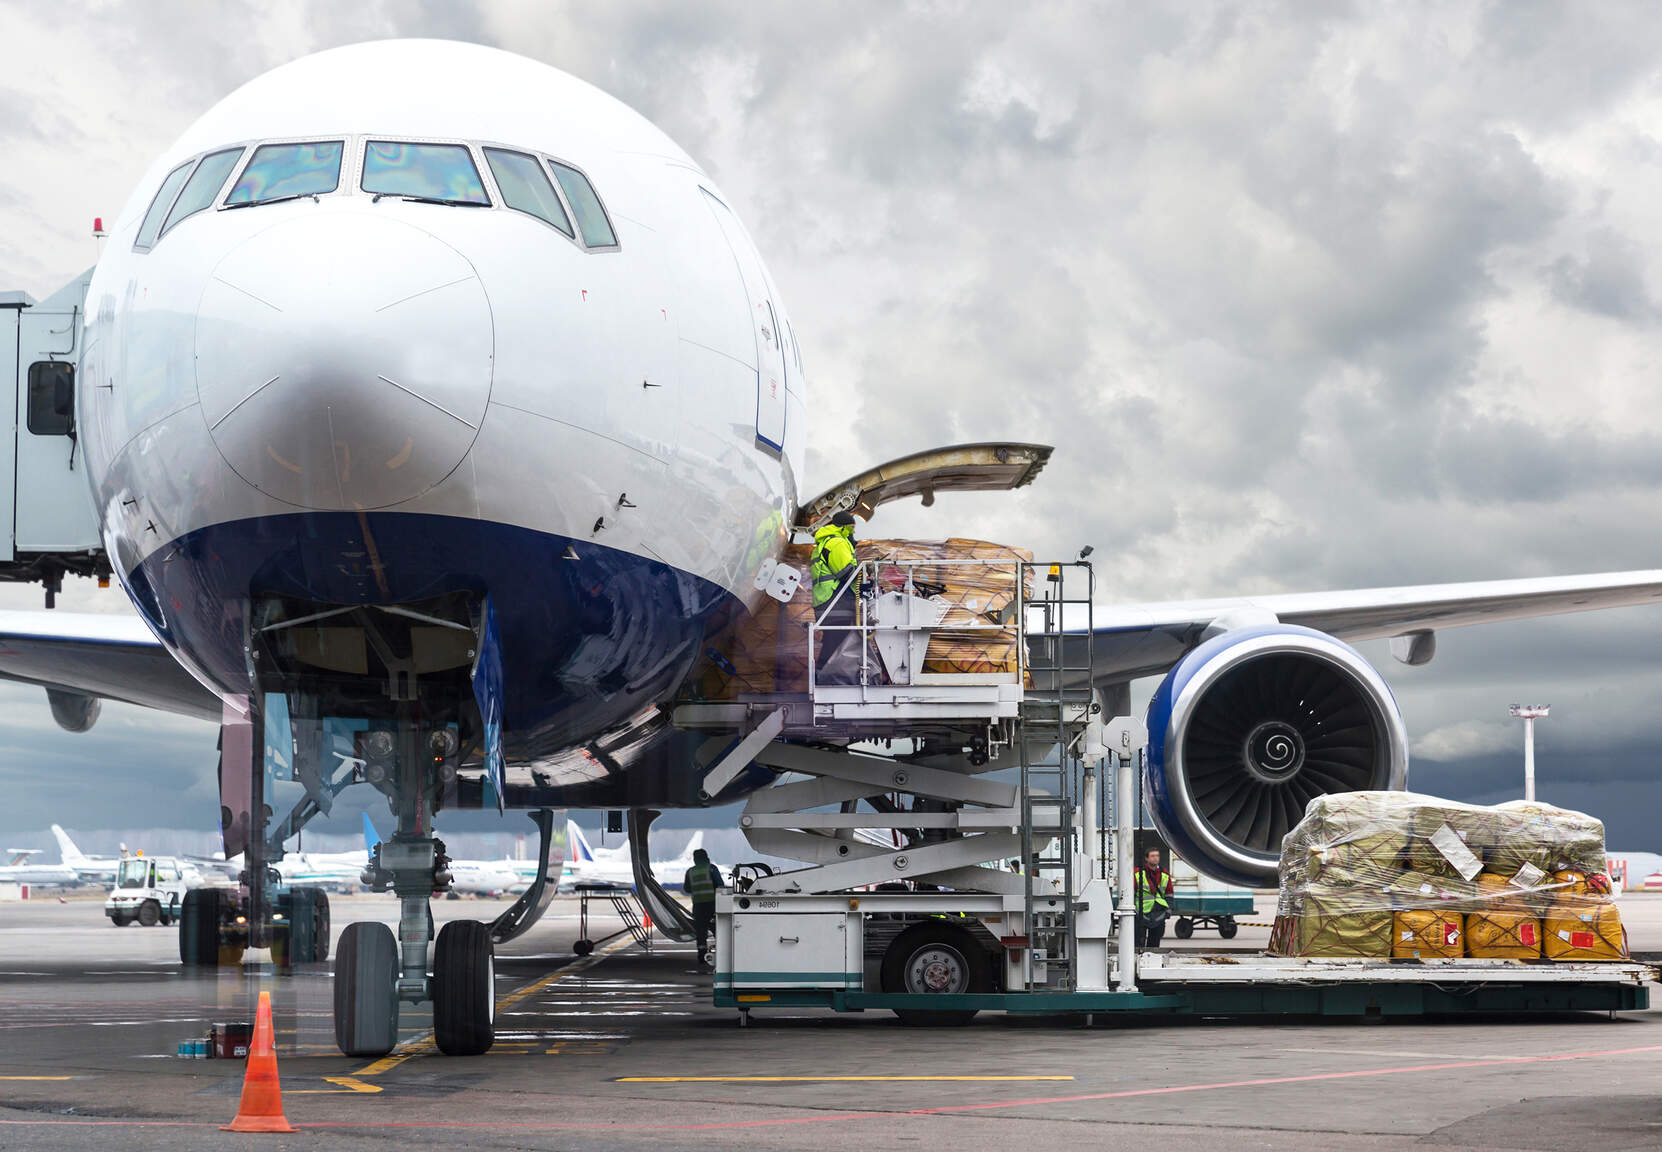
x=71 y=854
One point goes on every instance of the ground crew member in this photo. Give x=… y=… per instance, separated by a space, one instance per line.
x=700 y=884
x=1154 y=893
x=831 y=568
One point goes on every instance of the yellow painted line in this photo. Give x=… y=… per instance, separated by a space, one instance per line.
x=807 y=1079
x=347 y=1084
x=37 y=1077
x=425 y=1044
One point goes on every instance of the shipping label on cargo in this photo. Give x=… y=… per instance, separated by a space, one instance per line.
x=1453 y=849
x=1528 y=876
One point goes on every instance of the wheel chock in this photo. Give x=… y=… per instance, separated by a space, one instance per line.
x=261 y=1107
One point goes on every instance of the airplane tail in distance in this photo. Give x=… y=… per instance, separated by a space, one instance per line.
x=577 y=845
x=71 y=854
x=371 y=837
x=694 y=844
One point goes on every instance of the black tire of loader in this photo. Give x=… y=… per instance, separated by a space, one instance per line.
x=936 y=933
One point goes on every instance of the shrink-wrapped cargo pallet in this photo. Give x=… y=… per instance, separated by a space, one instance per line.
x=1518 y=881
x=767 y=650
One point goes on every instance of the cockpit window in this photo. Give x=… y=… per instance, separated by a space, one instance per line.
x=525 y=187
x=204 y=184
x=443 y=172
x=591 y=217
x=278 y=171
x=158 y=207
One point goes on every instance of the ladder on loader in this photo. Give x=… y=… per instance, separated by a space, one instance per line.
x=1056 y=709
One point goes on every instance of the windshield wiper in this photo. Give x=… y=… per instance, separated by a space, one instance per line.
x=270 y=200
x=434 y=200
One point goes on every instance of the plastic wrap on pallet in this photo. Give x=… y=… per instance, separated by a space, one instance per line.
x=766 y=651
x=1404 y=876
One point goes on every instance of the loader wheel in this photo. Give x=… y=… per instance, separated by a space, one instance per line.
x=1227 y=927
x=1184 y=928
x=940 y=959
x=150 y=914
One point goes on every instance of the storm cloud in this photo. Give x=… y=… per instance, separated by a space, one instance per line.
x=1304 y=296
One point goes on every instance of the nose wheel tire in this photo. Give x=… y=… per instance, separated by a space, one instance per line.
x=936 y=958
x=366 y=999
x=464 y=989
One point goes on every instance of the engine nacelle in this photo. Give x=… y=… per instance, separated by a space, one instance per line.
x=1250 y=727
x=73 y=711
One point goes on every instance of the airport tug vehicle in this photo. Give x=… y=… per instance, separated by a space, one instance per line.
x=149 y=890
x=992 y=869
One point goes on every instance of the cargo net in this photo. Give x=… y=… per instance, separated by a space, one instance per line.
x=1394 y=875
x=766 y=651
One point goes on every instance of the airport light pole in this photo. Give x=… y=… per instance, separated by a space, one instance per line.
x=1529 y=713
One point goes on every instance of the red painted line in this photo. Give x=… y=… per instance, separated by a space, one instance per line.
x=463 y=1125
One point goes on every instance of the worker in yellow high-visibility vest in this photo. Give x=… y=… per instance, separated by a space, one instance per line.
x=700 y=884
x=1154 y=894
x=831 y=569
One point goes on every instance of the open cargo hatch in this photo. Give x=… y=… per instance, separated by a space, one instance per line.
x=961 y=468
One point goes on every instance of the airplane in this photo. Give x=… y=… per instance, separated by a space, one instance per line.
x=95 y=869
x=615 y=866
x=20 y=871
x=434 y=406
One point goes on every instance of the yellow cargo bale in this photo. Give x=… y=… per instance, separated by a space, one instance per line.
x=1497 y=893
x=1332 y=923
x=1426 y=823
x=1425 y=934
x=1495 y=934
x=1583 y=928
x=1545 y=837
x=1425 y=890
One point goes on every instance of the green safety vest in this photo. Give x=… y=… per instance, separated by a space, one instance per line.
x=701 y=883
x=1146 y=899
x=833 y=557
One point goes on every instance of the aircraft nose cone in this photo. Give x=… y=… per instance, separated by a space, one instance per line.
x=343 y=361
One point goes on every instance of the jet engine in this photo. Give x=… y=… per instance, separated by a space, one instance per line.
x=1250 y=727
x=73 y=711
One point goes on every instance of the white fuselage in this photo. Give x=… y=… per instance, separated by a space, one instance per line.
x=341 y=398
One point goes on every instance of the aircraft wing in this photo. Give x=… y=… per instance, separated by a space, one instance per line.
x=113 y=657
x=1147 y=639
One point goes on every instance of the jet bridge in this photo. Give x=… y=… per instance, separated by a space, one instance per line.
x=50 y=527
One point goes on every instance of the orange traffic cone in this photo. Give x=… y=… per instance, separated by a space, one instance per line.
x=647 y=921
x=261 y=1109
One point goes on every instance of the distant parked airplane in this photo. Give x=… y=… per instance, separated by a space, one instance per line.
x=586 y=865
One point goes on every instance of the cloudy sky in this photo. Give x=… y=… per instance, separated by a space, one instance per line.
x=1305 y=297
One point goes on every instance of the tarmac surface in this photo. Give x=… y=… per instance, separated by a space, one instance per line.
x=623 y=1050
